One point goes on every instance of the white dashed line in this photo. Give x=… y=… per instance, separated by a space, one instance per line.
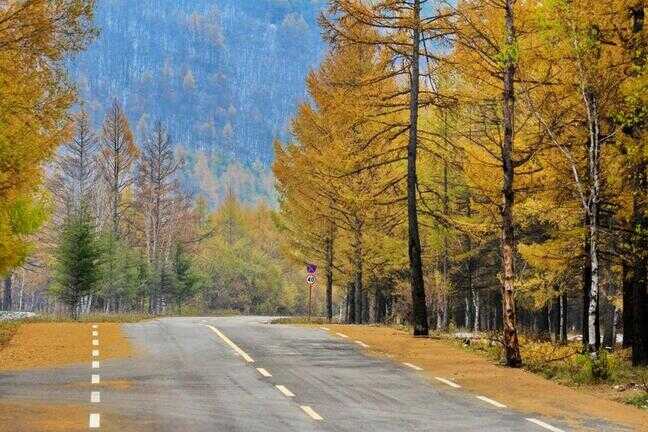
x=325 y=328
x=95 y=365
x=95 y=397
x=308 y=410
x=95 y=421
x=362 y=344
x=264 y=372
x=491 y=401
x=95 y=353
x=410 y=365
x=95 y=342
x=94 y=326
x=231 y=344
x=448 y=382
x=545 y=425
x=95 y=379
x=95 y=333
x=342 y=335
x=285 y=391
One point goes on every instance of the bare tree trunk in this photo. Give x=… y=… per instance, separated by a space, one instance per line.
x=628 y=305
x=6 y=300
x=563 y=318
x=329 y=276
x=640 y=270
x=357 y=271
x=511 y=344
x=419 y=305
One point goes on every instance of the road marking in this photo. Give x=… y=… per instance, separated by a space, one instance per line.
x=448 y=382
x=95 y=397
x=311 y=412
x=264 y=372
x=95 y=379
x=231 y=344
x=545 y=425
x=95 y=333
x=95 y=421
x=95 y=342
x=410 y=365
x=491 y=401
x=95 y=365
x=94 y=326
x=95 y=353
x=325 y=328
x=342 y=335
x=285 y=391
x=362 y=344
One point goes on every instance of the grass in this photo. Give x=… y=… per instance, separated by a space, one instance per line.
x=300 y=320
x=610 y=373
x=7 y=331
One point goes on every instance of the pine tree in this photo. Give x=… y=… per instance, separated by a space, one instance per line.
x=77 y=261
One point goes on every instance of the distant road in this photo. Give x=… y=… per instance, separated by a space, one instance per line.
x=243 y=374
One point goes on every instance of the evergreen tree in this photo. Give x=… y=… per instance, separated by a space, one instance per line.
x=78 y=256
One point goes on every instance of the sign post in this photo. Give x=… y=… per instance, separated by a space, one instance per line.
x=310 y=280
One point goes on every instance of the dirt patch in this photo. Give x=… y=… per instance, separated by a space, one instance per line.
x=42 y=345
x=516 y=388
x=30 y=417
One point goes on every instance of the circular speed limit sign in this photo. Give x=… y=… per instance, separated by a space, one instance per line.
x=310 y=279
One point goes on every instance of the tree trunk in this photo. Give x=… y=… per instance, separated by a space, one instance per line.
x=595 y=185
x=329 y=277
x=351 y=311
x=6 y=300
x=419 y=305
x=628 y=305
x=640 y=276
x=357 y=272
x=511 y=344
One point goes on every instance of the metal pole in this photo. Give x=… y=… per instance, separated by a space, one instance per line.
x=310 y=295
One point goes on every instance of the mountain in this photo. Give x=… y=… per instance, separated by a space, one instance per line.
x=224 y=75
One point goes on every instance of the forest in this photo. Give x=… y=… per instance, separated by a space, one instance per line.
x=477 y=165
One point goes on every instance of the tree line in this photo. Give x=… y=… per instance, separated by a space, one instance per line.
x=480 y=164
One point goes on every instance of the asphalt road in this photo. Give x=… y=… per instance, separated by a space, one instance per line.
x=195 y=374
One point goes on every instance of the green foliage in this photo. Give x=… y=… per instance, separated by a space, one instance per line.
x=125 y=271
x=78 y=269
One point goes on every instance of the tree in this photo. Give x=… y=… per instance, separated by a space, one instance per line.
x=77 y=261
x=116 y=159
x=399 y=27
x=185 y=281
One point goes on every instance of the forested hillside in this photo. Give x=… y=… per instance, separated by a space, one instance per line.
x=224 y=75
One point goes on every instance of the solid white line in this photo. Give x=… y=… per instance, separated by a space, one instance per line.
x=264 y=372
x=94 y=326
x=285 y=391
x=95 y=397
x=491 y=401
x=95 y=353
x=545 y=425
x=325 y=328
x=308 y=410
x=95 y=421
x=95 y=342
x=448 y=382
x=95 y=365
x=410 y=365
x=362 y=344
x=95 y=333
x=231 y=344
x=95 y=379
x=342 y=335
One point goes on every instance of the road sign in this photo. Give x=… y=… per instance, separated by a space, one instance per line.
x=311 y=268
x=310 y=279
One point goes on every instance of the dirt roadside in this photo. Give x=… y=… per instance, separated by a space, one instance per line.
x=45 y=345
x=516 y=388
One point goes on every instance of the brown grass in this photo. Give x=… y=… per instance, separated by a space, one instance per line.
x=30 y=417
x=42 y=345
x=519 y=389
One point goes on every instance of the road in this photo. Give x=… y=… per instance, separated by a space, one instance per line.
x=203 y=374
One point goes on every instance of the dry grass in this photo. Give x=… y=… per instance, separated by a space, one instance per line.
x=517 y=388
x=42 y=345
